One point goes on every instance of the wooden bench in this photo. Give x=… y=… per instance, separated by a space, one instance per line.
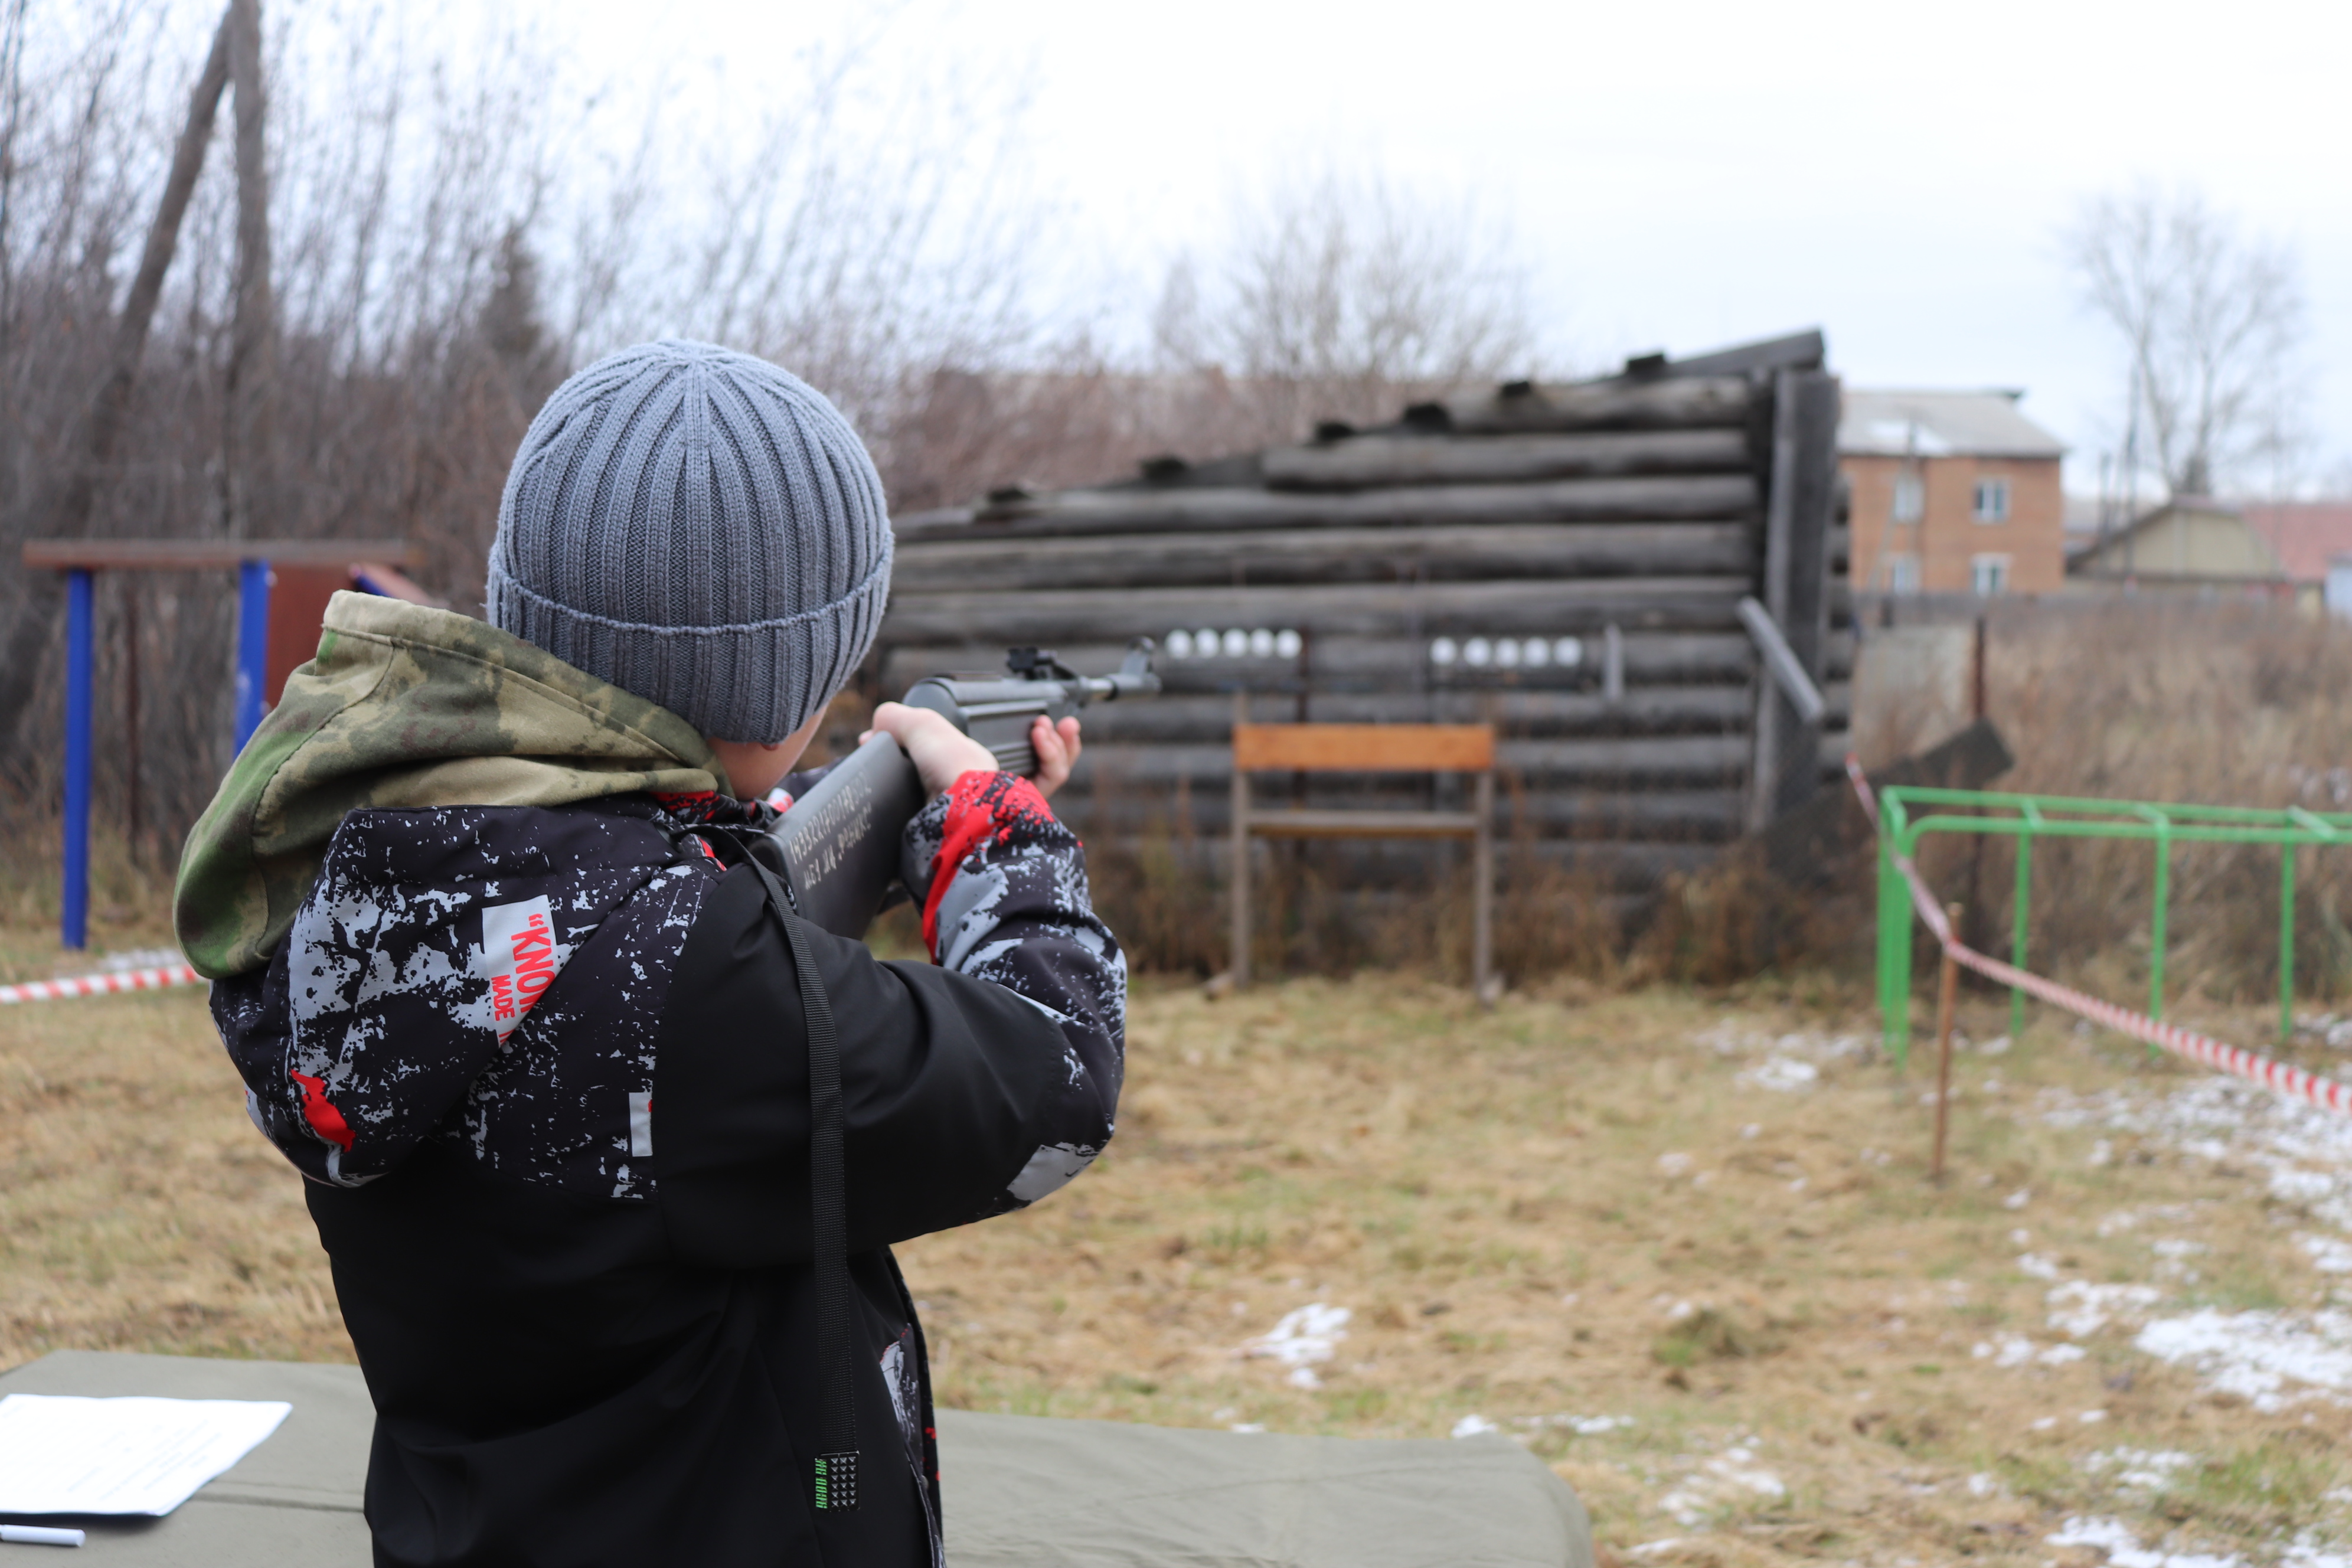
x=1369 y=749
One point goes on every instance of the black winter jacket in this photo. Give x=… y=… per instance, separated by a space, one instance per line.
x=549 y=1072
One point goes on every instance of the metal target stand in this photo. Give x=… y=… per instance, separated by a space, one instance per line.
x=283 y=585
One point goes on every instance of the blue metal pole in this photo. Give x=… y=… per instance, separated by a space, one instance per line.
x=74 y=912
x=252 y=645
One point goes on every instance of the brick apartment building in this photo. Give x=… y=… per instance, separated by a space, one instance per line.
x=1954 y=492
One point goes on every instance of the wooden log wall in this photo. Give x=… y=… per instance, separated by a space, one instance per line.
x=1563 y=562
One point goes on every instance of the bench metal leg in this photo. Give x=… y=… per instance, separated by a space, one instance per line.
x=1241 y=877
x=1482 y=892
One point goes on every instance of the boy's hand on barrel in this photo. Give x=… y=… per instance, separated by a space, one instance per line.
x=1057 y=746
x=941 y=753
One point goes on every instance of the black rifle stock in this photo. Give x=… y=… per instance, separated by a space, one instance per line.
x=840 y=842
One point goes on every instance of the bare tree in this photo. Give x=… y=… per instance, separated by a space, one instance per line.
x=1340 y=292
x=2212 y=323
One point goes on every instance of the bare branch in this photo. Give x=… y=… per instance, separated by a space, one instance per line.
x=2211 y=325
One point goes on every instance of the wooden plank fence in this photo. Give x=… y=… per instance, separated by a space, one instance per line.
x=1564 y=562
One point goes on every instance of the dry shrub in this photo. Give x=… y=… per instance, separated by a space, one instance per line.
x=1709 y=1333
x=1735 y=919
x=1166 y=892
x=2147 y=700
x=2162 y=701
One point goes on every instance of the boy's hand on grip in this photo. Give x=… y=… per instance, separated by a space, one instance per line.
x=941 y=753
x=1057 y=746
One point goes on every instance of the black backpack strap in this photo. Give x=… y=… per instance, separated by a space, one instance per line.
x=837 y=1461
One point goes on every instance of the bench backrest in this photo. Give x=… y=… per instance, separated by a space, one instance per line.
x=1364 y=748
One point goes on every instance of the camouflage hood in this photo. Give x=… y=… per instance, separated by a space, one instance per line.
x=407 y=707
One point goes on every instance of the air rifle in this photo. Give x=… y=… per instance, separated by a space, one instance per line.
x=840 y=842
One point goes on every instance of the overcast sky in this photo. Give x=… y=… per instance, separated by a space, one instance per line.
x=1678 y=175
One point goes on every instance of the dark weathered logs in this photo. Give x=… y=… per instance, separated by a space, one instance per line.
x=1145 y=510
x=1452 y=552
x=1606 y=761
x=1798 y=351
x=1365 y=868
x=1520 y=712
x=1369 y=460
x=1396 y=667
x=1708 y=815
x=1673 y=404
x=1577 y=606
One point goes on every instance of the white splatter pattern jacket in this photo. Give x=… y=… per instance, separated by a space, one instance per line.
x=547 y=1069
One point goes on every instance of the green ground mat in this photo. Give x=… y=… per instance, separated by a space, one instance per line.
x=1020 y=1489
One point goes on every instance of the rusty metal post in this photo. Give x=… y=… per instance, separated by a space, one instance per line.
x=1946 y=996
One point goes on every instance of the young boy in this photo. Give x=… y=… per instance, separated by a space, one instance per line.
x=494 y=957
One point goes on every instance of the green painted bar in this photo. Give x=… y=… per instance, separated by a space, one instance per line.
x=2016 y=934
x=2286 y=942
x=2062 y=816
x=2159 y=915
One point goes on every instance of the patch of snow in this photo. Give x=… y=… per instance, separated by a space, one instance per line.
x=1721 y=1480
x=1474 y=1426
x=1984 y=1484
x=2017 y=1199
x=2306 y=1551
x=2124 y=1550
x=2327 y=1255
x=2271 y=1359
x=2016 y=1349
x=2304 y=1153
x=2079 y=1310
x=2129 y=1219
x=2144 y=1470
x=1246 y=1426
x=1785 y=1074
x=1305 y=1336
x=1738 y=1466
x=2038 y=1266
x=1582 y=1426
x=1728 y=1038
x=1673 y=1163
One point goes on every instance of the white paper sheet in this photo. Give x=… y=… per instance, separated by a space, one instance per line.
x=60 y=1454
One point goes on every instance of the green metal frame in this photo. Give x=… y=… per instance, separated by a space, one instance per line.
x=2026 y=817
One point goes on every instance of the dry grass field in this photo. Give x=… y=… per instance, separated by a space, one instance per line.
x=1682 y=1246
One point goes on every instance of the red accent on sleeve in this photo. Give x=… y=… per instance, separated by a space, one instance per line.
x=981 y=805
x=324 y=1119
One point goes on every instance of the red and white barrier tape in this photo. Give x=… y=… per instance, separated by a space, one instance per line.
x=2202 y=1049
x=101 y=984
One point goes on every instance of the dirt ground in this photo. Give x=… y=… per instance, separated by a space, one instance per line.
x=1683 y=1246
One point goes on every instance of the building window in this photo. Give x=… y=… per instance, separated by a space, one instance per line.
x=1903 y=574
x=1992 y=500
x=1910 y=498
x=1987 y=575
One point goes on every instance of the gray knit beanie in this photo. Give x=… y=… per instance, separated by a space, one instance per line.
x=701 y=529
